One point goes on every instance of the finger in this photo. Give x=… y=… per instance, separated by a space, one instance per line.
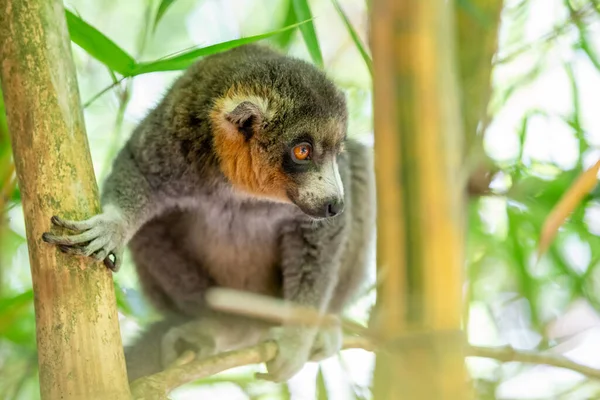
x=96 y=245
x=73 y=250
x=70 y=240
x=100 y=255
x=73 y=225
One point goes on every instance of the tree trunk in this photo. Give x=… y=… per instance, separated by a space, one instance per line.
x=79 y=346
x=418 y=147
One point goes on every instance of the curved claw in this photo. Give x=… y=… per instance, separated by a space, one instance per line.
x=114 y=260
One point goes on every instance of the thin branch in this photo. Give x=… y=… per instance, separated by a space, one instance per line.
x=548 y=37
x=106 y=89
x=508 y=354
x=157 y=386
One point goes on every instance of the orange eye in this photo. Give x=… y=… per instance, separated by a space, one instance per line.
x=302 y=152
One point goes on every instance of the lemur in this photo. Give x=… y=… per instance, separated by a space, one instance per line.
x=241 y=177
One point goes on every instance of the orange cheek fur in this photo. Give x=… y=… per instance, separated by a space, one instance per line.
x=246 y=166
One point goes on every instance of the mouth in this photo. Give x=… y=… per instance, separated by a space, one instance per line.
x=321 y=209
x=316 y=213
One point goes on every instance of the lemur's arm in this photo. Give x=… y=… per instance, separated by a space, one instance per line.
x=310 y=262
x=128 y=202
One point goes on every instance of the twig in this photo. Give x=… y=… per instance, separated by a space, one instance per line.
x=100 y=93
x=157 y=386
x=508 y=354
x=554 y=34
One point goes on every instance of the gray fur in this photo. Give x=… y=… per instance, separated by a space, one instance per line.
x=189 y=229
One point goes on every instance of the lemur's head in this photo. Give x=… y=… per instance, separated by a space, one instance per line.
x=281 y=142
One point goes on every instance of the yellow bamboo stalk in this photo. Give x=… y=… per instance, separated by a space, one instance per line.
x=418 y=147
x=79 y=347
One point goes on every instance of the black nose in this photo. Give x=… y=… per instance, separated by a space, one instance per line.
x=334 y=207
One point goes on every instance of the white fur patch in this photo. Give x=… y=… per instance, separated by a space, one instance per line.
x=230 y=103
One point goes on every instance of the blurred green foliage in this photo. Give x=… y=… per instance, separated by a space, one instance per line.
x=511 y=297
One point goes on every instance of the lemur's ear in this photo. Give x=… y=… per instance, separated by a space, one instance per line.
x=247 y=117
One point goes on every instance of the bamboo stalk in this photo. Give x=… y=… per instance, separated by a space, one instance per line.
x=477 y=42
x=79 y=347
x=418 y=148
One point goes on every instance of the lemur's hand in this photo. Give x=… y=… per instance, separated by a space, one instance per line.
x=99 y=237
x=294 y=350
x=189 y=336
x=327 y=343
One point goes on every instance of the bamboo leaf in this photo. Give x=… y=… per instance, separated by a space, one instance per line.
x=517 y=225
x=97 y=45
x=184 y=60
x=162 y=8
x=357 y=42
x=309 y=34
x=284 y=39
x=12 y=309
x=321 y=388
x=569 y=201
x=122 y=300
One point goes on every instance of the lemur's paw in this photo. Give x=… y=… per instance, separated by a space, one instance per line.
x=327 y=343
x=189 y=336
x=294 y=349
x=101 y=237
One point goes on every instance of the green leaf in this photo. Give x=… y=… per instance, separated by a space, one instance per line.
x=285 y=393
x=122 y=301
x=162 y=8
x=13 y=308
x=97 y=45
x=308 y=31
x=15 y=196
x=518 y=224
x=284 y=39
x=357 y=42
x=321 y=388
x=184 y=60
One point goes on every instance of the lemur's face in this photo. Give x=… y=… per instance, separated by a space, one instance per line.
x=293 y=164
x=310 y=164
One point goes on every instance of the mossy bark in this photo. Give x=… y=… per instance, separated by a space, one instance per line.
x=418 y=148
x=79 y=345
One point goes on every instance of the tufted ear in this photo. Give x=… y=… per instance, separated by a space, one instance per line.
x=247 y=117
